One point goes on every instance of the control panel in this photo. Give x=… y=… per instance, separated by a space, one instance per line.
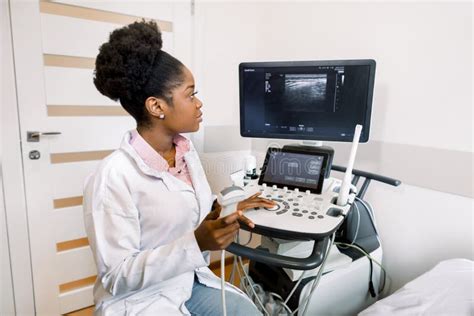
x=300 y=211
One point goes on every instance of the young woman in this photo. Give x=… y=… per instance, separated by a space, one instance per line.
x=149 y=212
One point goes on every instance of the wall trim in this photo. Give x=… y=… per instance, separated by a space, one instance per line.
x=78 y=284
x=85 y=110
x=51 y=60
x=79 y=12
x=79 y=156
x=72 y=244
x=438 y=169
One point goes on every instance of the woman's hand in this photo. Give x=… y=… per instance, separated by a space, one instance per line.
x=255 y=201
x=215 y=211
x=251 y=202
x=217 y=233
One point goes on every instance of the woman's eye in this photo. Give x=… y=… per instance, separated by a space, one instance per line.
x=193 y=94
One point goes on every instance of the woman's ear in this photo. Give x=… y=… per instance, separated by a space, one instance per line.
x=156 y=107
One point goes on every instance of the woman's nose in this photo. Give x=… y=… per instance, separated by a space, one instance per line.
x=199 y=103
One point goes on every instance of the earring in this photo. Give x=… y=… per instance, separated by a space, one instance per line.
x=162 y=116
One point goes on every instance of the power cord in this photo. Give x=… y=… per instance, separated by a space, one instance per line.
x=250 y=239
x=224 y=309
x=358 y=223
x=316 y=281
x=232 y=273
x=234 y=264
x=248 y=279
x=247 y=282
x=370 y=212
x=281 y=299
x=295 y=287
x=371 y=259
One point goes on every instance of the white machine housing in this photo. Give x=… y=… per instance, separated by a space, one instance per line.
x=343 y=291
x=302 y=249
x=300 y=212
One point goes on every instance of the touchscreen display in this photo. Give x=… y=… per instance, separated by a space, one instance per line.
x=294 y=170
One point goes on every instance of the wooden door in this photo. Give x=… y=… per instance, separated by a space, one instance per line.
x=54 y=45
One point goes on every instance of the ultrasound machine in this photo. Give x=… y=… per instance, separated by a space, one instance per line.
x=320 y=253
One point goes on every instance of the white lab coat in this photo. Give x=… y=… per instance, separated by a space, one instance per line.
x=140 y=224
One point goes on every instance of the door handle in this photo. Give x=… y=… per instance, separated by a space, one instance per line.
x=35 y=136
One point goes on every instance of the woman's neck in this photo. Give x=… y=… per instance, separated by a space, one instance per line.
x=160 y=140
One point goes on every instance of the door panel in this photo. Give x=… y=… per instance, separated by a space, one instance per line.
x=76 y=173
x=75 y=264
x=67 y=85
x=68 y=223
x=75 y=299
x=55 y=45
x=85 y=133
x=89 y=35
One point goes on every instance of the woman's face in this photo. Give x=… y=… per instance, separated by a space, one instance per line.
x=184 y=115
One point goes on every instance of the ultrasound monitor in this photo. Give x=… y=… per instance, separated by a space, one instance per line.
x=307 y=100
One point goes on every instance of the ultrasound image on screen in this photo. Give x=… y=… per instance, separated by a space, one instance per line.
x=305 y=92
x=299 y=93
x=293 y=170
x=306 y=100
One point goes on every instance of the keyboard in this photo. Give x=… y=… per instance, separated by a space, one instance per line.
x=303 y=213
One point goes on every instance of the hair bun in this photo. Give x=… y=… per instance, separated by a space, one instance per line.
x=125 y=62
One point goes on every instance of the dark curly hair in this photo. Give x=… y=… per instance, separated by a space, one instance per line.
x=131 y=67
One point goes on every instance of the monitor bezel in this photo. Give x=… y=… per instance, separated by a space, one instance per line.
x=319 y=186
x=315 y=63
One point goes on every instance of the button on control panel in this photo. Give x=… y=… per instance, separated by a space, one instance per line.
x=305 y=205
x=298 y=210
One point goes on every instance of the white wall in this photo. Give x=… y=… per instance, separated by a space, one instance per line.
x=423 y=93
x=225 y=35
x=423 y=99
x=423 y=53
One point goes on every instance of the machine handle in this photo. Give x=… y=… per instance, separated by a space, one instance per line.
x=262 y=255
x=369 y=175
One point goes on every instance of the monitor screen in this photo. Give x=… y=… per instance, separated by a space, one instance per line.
x=294 y=169
x=311 y=100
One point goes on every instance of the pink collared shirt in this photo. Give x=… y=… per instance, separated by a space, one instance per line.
x=155 y=161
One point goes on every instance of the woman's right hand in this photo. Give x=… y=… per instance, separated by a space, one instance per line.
x=217 y=233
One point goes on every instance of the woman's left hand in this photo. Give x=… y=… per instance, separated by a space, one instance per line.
x=251 y=202
x=255 y=201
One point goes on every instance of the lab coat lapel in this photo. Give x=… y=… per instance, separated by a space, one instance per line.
x=164 y=176
x=201 y=187
x=198 y=178
x=125 y=146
